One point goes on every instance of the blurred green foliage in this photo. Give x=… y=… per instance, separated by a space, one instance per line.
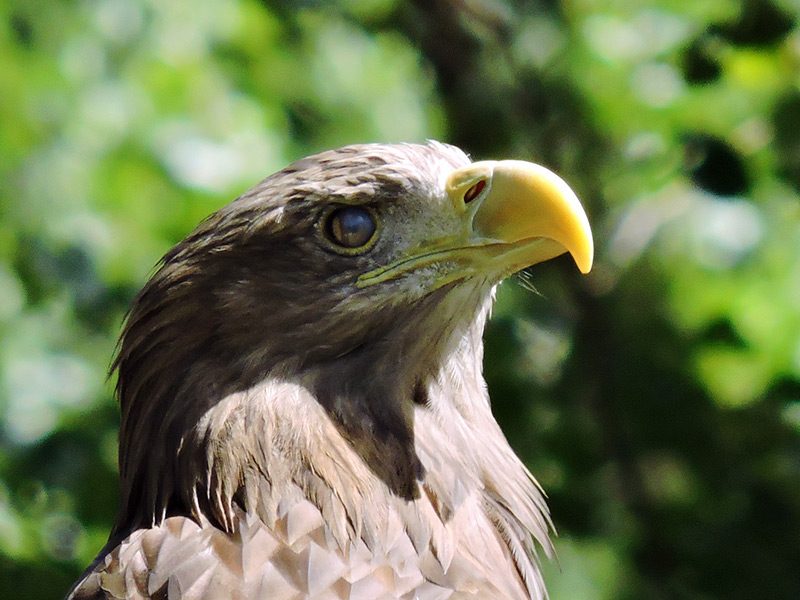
x=657 y=400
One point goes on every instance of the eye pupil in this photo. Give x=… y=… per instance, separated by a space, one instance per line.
x=351 y=226
x=474 y=191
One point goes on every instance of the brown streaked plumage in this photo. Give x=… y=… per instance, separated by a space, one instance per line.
x=303 y=413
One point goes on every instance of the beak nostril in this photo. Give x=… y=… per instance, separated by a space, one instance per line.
x=474 y=191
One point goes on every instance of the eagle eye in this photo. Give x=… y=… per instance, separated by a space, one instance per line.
x=350 y=227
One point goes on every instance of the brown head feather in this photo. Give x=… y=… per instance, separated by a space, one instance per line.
x=252 y=294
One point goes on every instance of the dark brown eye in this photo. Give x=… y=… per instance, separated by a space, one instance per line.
x=350 y=227
x=474 y=191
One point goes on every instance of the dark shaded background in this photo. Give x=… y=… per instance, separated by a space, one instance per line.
x=657 y=400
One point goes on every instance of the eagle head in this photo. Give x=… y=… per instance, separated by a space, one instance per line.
x=320 y=337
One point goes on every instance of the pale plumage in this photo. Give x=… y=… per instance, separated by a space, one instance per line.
x=307 y=421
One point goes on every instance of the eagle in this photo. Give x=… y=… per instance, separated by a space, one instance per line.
x=303 y=411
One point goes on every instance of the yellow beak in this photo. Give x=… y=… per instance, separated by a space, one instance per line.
x=512 y=214
x=526 y=208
